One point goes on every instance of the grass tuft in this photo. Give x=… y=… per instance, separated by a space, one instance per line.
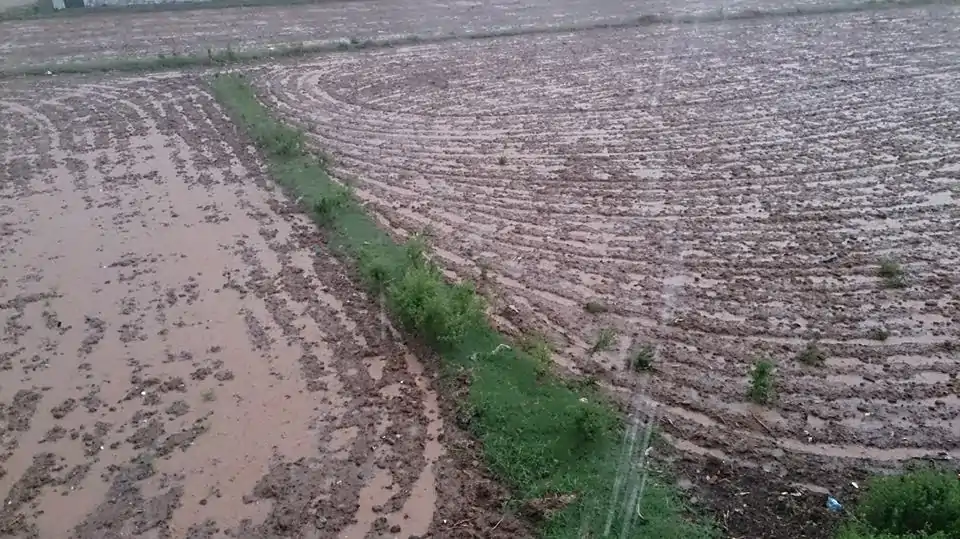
x=812 y=355
x=539 y=436
x=606 y=339
x=921 y=504
x=538 y=348
x=761 y=382
x=892 y=273
x=643 y=359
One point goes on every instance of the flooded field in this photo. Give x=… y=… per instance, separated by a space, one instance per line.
x=727 y=191
x=111 y=35
x=182 y=358
x=178 y=359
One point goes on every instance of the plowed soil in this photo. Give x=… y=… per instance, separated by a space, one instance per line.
x=181 y=358
x=109 y=35
x=726 y=191
x=177 y=362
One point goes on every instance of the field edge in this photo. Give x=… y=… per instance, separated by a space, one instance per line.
x=221 y=58
x=553 y=442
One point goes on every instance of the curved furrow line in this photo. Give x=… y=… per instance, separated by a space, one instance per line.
x=138 y=211
x=733 y=203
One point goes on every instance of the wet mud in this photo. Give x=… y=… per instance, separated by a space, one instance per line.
x=182 y=32
x=725 y=191
x=181 y=358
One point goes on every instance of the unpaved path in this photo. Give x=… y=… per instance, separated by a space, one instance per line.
x=177 y=361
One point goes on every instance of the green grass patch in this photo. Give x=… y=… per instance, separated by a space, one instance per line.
x=540 y=437
x=762 y=382
x=921 y=504
x=605 y=340
x=642 y=359
x=892 y=273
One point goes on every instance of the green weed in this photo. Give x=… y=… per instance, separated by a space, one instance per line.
x=892 y=273
x=539 y=437
x=606 y=339
x=326 y=206
x=761 y=382
x=921 y=504
x=537 y=347
x=643 y=358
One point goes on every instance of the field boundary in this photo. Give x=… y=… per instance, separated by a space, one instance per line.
x=553 y=442
x=229 y=56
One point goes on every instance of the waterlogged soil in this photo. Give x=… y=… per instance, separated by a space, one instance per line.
x=181 y=358
x=149 y=35
x=723 y=193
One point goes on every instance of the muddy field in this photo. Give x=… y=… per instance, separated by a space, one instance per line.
x=178 y=360
x=194 y=32
x=727 y=190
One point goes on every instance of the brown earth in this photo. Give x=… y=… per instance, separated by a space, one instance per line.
x=181 y=358
x=726 y=191
x=139 y=34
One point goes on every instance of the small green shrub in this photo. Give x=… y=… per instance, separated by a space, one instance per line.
x=594 y=423
x=605 y=340
x=919 y=504
x=537 y=347
x=375 y=268
x=423 y=302
x=643 y=358
x=892 y=273
x=761 y=382
x=416 y=250
x=326 y=206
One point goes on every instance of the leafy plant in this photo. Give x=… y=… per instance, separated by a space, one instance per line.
x=327 y=205
x=643 y=358
x=892 y=273
x=537 y=347
x=922 y=504
x=593 y=422
x=605 y=340
x=761 y=382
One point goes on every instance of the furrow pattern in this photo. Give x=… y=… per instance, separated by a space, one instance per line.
x=169 y=327
x=727 y=189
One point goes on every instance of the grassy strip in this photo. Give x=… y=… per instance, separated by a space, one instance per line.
x=921 y=504
x=44 y=8
x=547 y=441
x=231 y=57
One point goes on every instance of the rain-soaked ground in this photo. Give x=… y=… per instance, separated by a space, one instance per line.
x=180 y=357
x=177 y=359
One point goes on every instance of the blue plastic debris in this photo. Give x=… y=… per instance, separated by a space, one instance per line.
x=833 y=505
